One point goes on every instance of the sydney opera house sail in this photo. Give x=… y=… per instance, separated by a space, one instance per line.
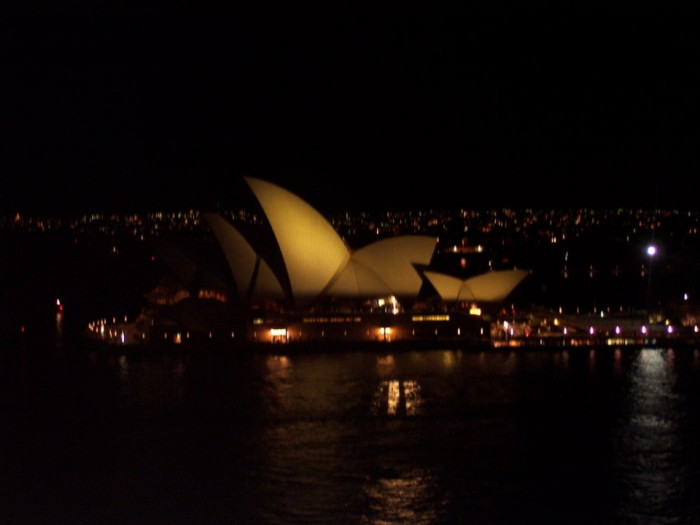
x=312 y=285
x=395 y=259
x=489 y=287
x=313 y=252
x=253 y=277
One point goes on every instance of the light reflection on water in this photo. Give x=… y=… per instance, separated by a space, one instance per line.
x=650 y=452
x=571 y=436
x=406 y=497
x=398 y=398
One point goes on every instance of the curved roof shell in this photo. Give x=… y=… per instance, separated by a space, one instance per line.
x=358 y=280
x=493 y=286
x=394 y=259
x=312 y=250
x=253 y=276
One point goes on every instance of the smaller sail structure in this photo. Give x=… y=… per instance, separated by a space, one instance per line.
x=253 y=276
x=489 y=287
x=393 y=260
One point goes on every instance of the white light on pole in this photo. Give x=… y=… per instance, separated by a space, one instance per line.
x=651 y=253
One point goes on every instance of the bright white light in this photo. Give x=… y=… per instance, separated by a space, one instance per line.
x=651 y=250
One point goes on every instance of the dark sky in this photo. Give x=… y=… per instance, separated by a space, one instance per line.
x=133 y=106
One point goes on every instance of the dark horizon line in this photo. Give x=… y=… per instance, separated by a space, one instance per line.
x=50 y=214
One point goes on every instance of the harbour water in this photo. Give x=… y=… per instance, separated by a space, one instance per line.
x=95 y=436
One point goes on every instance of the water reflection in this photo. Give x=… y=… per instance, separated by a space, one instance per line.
x=617 y=362
x=650 y=454
x=561 y=360
x=59 y=327
x=386 y=365
x=398 y=398
x=411 y=437
x=407 y=497
x=450 y=359
x=278 y=367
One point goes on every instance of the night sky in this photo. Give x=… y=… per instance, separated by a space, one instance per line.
x=133 y=106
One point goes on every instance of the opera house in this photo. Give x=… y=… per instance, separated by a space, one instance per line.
x=293 y=278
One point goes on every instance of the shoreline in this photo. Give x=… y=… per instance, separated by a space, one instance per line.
x=381 y=347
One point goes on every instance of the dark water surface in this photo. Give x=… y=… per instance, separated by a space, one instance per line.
x=556 y=436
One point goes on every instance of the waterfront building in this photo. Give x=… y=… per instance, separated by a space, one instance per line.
x=294 y=278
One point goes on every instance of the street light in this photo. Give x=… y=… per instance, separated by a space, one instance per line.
x=651 y=253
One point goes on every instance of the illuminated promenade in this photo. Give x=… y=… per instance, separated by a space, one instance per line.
x=536 y=329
